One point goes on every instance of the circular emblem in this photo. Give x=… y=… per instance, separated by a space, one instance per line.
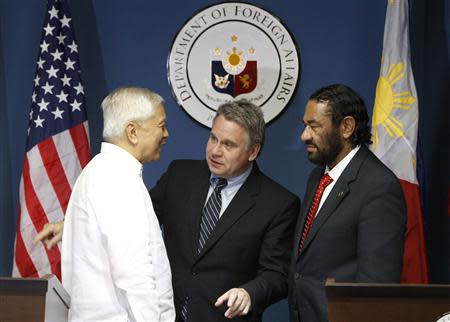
x=444 y=318
x=230 y=51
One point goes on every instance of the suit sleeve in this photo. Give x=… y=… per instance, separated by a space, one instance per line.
x=270 y=283
x=381 y=230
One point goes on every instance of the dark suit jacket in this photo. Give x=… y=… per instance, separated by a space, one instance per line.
x=357 y=235
x=249 y=248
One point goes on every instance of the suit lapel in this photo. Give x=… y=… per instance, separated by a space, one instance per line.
x=195 y=204
x=241 y=203
x=338 y=193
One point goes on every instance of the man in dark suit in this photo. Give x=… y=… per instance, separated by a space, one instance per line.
x=237 y=266
x=352 y=222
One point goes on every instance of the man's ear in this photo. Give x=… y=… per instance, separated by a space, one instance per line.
x=131 y=133
x=254 y=151
x=348 y=126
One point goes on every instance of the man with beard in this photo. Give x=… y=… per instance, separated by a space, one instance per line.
x=352 y=222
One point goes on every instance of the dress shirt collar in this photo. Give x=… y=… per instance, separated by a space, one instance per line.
x=337 y=170
x=233 y=182
x=123 y=156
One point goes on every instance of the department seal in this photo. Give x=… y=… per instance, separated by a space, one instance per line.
x=230 y=51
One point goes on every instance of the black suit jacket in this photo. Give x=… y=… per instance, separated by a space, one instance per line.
x=249 y=248
x=357 y=235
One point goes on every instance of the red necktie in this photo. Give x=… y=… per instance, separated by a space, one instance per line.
x=324 y=182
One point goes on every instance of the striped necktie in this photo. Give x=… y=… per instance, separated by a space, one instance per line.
x=211 y=213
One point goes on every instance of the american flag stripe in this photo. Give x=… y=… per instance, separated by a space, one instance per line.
x=39 y=219
x=55 y=171
x=66 y=151
x=81 y=142
x=26 y=267
x=43 y=188
x=36 y=255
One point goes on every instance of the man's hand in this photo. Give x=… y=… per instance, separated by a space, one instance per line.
x=238 y=302
x=51 y=234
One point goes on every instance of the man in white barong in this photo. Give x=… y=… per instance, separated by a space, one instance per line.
x=114 y=262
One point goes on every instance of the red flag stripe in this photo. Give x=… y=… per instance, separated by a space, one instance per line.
x=68 y=156
x=55 y=171
x=23 y=262
x=81 y=142
x=414 y=257
x=38 y=216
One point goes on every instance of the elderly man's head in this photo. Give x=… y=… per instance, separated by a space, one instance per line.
x=134 y=119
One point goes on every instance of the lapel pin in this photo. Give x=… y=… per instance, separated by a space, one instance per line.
x=340 y=194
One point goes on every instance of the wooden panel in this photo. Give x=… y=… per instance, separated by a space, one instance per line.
x=22 y=299
x=371 y=302
x=386 y=309
x=22 y=308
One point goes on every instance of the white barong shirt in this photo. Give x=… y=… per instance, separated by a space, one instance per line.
x=114 y=262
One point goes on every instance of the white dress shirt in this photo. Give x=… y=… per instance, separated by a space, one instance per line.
x=335 y=173
x=114 y=262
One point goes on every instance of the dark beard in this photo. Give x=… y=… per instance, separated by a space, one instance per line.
x=327 y=156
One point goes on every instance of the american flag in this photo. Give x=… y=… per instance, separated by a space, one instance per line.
x=57 y=145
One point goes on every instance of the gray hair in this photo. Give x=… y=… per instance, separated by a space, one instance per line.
x=247 y=115
x=127 y=104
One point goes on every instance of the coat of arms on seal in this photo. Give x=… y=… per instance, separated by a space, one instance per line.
x=234 y=71
x=230 y=51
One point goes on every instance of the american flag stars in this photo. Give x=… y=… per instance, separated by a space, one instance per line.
x=58 y=96
x=53 y=13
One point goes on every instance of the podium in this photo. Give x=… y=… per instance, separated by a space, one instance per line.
x=33 y=300
x=371 y=302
